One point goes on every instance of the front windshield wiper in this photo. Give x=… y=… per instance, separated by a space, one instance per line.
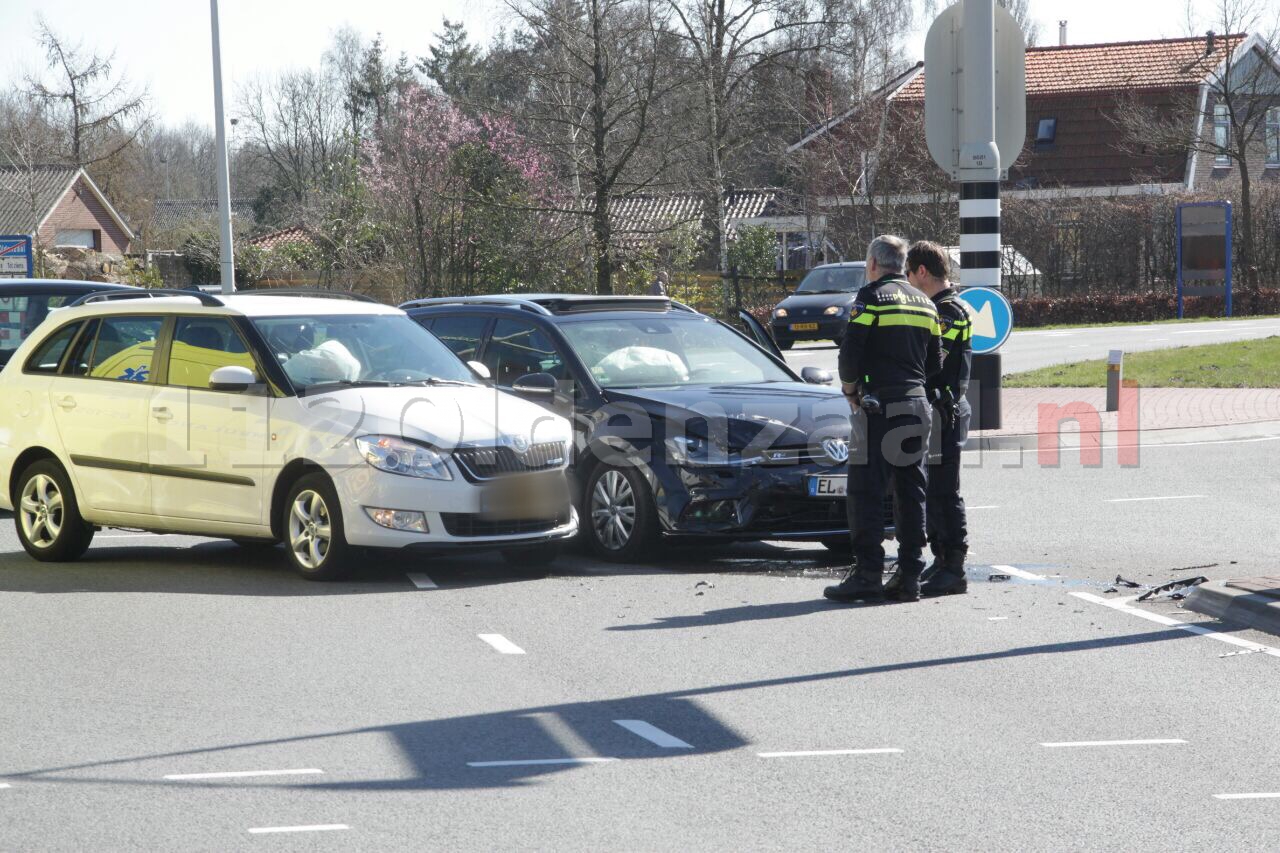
x=436 y=380
x=354 y=383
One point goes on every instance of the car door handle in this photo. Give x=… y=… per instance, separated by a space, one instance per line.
x=161 y=413
x=67 y=403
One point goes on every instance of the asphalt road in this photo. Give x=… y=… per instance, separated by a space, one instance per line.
x=672 y=705
x=1040 y=348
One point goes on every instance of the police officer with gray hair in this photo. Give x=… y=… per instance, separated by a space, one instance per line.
x=890 y=349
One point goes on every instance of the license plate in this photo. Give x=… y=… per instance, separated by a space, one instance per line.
x=828 y=487
x=519 y=498
x=804 y=327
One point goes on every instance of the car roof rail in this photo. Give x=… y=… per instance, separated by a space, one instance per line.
x=206 y=299
x=307 y=291
x=573 y=302
x=503 y=301
x=680 y=306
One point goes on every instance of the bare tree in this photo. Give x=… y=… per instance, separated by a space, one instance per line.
x=101 y=112
x=598 y=74
x=1021 y=11
x=1227 y=119
x=728 y=45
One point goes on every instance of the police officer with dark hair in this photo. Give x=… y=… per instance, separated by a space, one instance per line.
x=946 y=523
x=892 y=346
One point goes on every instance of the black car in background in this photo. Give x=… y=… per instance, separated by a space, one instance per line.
x=684 y=426
x=818 y=310
x=26 y=302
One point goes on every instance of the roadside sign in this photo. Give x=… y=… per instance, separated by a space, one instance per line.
x=1204 y=251
x=943 y=76
x=992 y=318
x=15 y=257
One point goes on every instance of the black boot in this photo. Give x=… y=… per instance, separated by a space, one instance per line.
x=933 y=567
x=949 y=579
x=858 y=585
x=903 y=585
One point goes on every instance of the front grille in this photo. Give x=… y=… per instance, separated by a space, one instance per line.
x=486 y=463
x=800 y=515
x=470 y=525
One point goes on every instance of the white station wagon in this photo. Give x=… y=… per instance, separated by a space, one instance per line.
x=327 y=424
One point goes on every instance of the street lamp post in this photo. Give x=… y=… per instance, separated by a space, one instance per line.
x=228 y=265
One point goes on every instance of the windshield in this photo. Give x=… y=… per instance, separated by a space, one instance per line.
x=650 y=353
x=358 y=349
x=833 y=280
x=19 y=316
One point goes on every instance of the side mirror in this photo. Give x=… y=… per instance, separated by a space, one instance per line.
x=815 y=376
x=535 y=385
x=232 y=378
x=479 y=369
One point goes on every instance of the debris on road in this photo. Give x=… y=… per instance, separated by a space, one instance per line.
x=999 y=577
x=1175 y=590
x=1125 y=582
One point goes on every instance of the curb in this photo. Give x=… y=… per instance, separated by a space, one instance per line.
x=1256 y=430
x=1249 y=609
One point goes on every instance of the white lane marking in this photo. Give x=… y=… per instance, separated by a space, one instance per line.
x=129 y=536
x=805 y=753
x=989 y=506
x=242 y=774
x=422 y=581
x=534 y=762
x=1018 y=573
x=501 y=643
x=1160 y=618
x=1156 y=498
x=1269 y=795
x=5 y=785
x=1148 y=742
x=319 y=827
x=996 y=618
x=653 y=734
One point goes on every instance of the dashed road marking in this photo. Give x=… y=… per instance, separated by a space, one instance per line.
x=241 y=774
x=1269 y=795
x=535 y=762
x=987 y=506
x=319 y=827
x=1146 y=742
x=5 y=785
x=1155 y=498
x=502 y=644
x=422 y=581
x=1161 y=619
x=1019 y=573
x=996 y=618
x=806 y=753
x=653 y=734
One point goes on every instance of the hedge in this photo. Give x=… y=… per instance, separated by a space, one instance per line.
x=1029 y=312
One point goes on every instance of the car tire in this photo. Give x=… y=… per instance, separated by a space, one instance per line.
x=47 y=515
x=311 y=511
x=785 y=345
x=534 y=556
x=623 y=494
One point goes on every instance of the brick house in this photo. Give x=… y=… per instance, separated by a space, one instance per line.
x=61 y=207
x=1078 y=143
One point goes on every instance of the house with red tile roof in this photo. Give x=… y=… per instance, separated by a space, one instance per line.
x=1079 y=143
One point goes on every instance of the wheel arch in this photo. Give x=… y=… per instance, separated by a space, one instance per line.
x=289 y=474
x=26 y=459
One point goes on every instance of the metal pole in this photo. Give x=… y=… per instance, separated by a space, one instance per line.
x=228 y=264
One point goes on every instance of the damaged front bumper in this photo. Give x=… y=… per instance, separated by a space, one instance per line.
x=753 y=503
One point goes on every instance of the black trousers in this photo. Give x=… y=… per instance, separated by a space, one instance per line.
x=889 y=450
x=946 y=523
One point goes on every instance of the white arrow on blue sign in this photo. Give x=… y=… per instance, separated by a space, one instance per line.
x=991 y=315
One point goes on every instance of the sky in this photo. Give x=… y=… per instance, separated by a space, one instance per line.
x=165 y=44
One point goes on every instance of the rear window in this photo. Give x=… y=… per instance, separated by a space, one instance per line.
x=49 y=354
x=20 y=315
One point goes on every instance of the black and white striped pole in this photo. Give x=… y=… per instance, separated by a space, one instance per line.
x=975 y=122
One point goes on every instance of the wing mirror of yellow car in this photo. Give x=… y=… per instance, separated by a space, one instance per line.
x=232 y=378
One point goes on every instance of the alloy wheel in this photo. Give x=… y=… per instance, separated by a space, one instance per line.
x=310 y=531
x=41 y=511
x=613 y=510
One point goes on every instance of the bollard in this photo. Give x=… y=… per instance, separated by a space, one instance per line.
x=1115 y=375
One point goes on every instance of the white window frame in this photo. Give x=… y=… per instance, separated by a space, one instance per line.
x=59 y=243
x=1221 y=135
x=1271 y=136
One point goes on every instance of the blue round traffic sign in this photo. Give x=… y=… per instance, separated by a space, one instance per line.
x=991 y=317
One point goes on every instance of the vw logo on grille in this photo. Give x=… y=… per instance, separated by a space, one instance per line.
x=518 y=443
x=837 y=449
